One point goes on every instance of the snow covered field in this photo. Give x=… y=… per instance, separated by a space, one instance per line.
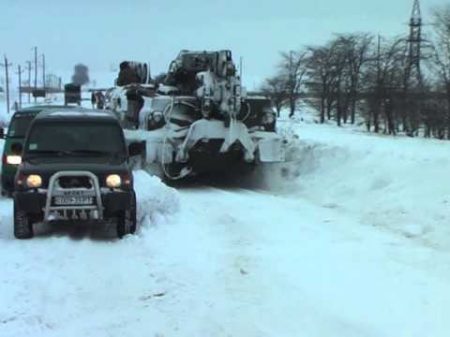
x=351 y=238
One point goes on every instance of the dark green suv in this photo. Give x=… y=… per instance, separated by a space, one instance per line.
x=18 y=126
x=75 y=167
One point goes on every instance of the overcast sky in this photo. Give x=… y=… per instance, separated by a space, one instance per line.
x=104 y=32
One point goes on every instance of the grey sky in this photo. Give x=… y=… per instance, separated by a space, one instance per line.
x=103 y=32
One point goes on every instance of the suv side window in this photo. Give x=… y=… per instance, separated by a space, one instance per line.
x=19 y=126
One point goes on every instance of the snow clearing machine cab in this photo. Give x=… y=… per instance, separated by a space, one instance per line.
x=199 y=119
x=133 y=82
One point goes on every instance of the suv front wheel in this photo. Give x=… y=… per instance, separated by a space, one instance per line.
x=126 y=220
x=23 y=226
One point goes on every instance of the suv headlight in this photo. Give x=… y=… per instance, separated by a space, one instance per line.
x=157 y=116
x=13 y=160
x=113 y=181
x=155 y=120
x=34 y=181
x=269 y=118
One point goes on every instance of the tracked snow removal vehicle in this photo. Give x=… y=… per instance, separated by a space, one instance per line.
x=198 y=118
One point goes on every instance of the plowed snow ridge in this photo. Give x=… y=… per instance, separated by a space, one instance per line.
x=398 y=184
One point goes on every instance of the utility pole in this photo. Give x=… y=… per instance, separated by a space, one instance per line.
x=43 y=71
x=29 y=80
x=35 y=69
x=6 y=65
x=19 y=72
x=415 y=41
x=413 y=79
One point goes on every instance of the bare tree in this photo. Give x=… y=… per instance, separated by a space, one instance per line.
x=356 y=49
x=383 y=78
x=275 y=89
x=293 y=69
x=320 y=80
x=335 y=72
x=340 y=78
x=351 y=75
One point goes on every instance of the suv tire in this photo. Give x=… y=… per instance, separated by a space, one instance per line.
x=126 y=220
x=23 y=226
x=132 y=215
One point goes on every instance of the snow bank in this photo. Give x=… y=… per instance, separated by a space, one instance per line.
x=399 y=184
x=155 y=199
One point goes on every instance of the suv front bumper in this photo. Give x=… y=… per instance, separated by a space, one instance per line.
x=112 y=202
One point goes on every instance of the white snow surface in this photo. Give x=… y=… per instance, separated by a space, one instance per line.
x=350 y=238
x=398 y=184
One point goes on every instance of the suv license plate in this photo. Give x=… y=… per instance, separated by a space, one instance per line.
x=63 y=201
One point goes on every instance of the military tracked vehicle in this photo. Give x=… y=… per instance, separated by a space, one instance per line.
x=198 y=118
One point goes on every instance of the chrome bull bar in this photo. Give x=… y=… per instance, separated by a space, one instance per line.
x=54 y=190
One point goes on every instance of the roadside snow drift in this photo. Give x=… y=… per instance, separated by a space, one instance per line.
x=155 y=199
x=398 y=184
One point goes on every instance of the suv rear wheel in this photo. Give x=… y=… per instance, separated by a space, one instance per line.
x=23 y=226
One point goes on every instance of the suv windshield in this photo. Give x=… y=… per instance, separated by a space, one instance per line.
x=19 y=126
x=76 y=139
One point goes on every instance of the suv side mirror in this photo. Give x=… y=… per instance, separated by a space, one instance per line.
x=136 y=149
x=2 y=133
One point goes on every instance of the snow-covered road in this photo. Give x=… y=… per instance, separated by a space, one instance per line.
x=302 y=259
x=221 y=266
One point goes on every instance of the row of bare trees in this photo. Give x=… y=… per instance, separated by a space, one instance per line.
x=361 y=78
